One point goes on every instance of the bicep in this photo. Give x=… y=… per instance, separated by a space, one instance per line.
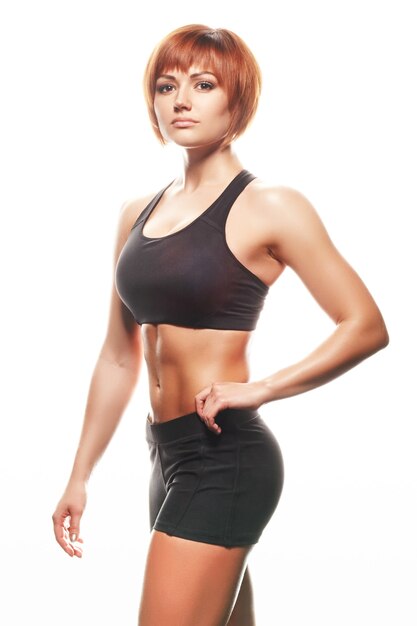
x=302 y=242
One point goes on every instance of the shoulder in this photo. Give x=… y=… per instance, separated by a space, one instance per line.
x=280 y=201
x=128 y=213
x=132 y=207
x=283 y=207
x=288 y=216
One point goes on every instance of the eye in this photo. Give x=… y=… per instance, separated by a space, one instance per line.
x=205 y=85
x=166 y=88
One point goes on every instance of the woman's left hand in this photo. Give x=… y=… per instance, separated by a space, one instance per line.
x=218 y=396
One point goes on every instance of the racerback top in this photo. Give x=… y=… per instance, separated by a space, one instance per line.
x=190 y=277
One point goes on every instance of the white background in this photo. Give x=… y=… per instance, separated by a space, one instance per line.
x=337 y=122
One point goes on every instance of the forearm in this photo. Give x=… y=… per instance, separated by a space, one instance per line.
x=110 y=390
x=347 y=346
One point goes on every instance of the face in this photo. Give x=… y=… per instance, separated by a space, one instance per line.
x=191 y=108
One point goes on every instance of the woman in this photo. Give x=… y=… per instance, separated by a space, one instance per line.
x=193 y=265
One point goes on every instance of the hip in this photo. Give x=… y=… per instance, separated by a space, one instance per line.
x=186 y=444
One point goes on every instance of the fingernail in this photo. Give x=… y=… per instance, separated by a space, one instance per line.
x=73 y=537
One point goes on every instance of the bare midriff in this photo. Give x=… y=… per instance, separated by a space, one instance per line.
x=181 y=362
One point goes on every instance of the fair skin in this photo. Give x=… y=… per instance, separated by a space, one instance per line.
x=207 y=370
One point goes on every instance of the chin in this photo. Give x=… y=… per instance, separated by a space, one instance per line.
x=189 y=138
x=197 y=142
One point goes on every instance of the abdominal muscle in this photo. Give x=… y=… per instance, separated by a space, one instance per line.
x=183 y=361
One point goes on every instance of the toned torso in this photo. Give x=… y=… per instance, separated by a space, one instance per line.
x=182 y=361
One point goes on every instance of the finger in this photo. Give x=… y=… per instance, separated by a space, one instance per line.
x=200 y=400
x=214 y=401
x=211 y=424
x=211 y=407
x=74 y=529
x=215 y=428
x=76 y=545
x=201 y=395
x=61 y=533
x=78 y=549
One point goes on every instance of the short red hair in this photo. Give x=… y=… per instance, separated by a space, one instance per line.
x=216 y=49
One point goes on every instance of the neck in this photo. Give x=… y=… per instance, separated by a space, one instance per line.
x=205 y=166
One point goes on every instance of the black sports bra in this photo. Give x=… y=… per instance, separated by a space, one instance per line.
x=190 y=277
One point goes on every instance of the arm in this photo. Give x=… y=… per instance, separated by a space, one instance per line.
x=297 y=237
x=113 y=381
x=301 y=241
x=115 y=374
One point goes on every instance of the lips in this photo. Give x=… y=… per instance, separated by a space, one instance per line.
x=183 y=122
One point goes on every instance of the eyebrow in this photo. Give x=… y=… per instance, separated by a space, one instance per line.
x=195 y=75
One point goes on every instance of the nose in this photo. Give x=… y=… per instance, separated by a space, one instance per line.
x=182 y=100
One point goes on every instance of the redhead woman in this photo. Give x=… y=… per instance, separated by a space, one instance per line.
x=193 y=265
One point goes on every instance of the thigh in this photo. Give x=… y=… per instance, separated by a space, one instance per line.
x=189 y=582
x=243 y=613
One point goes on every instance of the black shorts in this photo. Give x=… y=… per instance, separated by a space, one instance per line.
x=219 y=489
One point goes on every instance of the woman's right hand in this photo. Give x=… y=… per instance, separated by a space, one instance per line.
x=67 y=516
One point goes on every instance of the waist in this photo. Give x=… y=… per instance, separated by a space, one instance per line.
x=190 y=424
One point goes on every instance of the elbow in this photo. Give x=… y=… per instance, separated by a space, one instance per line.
x=381 y=333
x=126 y=357
x=375 y=334
x=379 y=342
x=384 y=338
x=366 y=335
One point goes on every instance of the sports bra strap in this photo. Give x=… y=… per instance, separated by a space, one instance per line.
x=217 y=213
x=219 y=210
x=149 y=207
